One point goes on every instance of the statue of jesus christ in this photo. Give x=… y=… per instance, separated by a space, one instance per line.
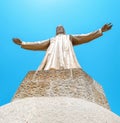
x=59 y=49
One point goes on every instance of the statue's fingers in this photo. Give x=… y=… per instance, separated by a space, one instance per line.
x=110 y=27
x=105 y=24
x=14 y=39
x=17 y=41
x=109 y=23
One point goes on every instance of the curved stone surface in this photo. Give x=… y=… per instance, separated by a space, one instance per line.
x=55 y=110
x=68 y=82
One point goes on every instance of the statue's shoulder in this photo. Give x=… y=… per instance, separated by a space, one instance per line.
x=52 y=39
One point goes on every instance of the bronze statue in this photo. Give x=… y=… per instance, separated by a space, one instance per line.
x=60 y=53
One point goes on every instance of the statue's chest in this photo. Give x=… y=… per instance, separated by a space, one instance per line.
x=60 y=39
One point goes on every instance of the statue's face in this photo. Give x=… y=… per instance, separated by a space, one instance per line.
x=60 y=30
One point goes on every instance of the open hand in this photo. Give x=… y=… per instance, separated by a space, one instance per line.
x=17 y=41
x=106 y=27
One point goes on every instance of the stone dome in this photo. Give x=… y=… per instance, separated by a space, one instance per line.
x=55 y=110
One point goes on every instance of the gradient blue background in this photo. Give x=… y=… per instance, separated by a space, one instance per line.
x=33 y=20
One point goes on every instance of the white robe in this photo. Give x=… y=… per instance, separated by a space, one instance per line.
x=60 y=53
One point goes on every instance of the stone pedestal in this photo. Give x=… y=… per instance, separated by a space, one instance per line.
x=70 y=83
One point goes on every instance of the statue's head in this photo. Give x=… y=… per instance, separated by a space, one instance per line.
x=60 y=30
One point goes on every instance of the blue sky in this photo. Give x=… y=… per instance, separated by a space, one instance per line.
x=34 y=20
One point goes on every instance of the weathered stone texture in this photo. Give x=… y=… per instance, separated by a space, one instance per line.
x=55 y=110
x=70 y=83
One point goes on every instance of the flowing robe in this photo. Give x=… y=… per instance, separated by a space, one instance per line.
x=60 y=53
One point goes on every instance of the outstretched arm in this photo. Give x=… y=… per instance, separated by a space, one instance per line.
x=40 y=45
x=84 y=38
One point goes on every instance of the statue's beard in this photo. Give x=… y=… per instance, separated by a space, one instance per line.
x=60 y=32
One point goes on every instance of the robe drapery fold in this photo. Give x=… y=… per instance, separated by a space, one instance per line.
x=60 y=53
